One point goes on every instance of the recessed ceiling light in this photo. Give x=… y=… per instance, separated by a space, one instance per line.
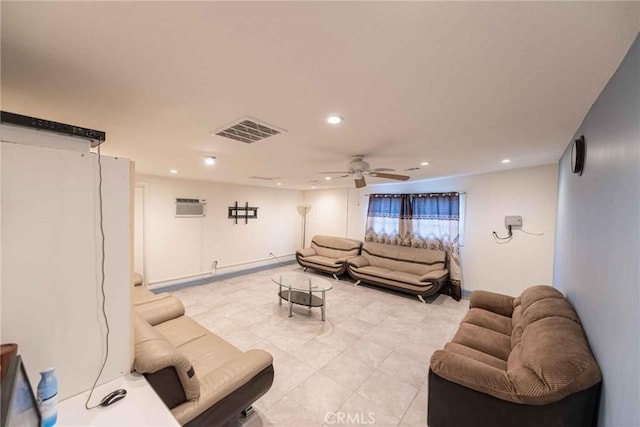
x=424 y=164
x=313 y=187
x=328 y=178
x=210 y=160
x=279 y=183
x=174 y=171
x=506 y=161
x=334 y=119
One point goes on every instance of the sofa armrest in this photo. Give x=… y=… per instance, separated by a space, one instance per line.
x=358 y=261
x=305 y=252
x=490 y=301
x=346 y=258
x=473 y=374
x=224 y=380
x=153 y=353
x=137 y=279
x=434 y=275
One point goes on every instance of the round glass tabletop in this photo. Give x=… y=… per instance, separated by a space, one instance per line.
x=302 y=282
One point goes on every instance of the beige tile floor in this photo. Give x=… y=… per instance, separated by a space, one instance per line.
x=367 y=364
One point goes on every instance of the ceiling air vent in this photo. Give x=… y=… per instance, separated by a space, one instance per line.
x=190 y=208
x=248 y=130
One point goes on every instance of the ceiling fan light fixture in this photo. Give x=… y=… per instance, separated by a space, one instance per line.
x=334 y=119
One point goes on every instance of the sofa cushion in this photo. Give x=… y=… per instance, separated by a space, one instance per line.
x=516 y=333
x=485 y=340
x=401 y=258
x=181 y=330
x=538 y=310
x=155 y=308
x=209 y=352
x=323 y=260
x=335 y=247
x=161 y=310
x=548 y=308
x=489 y=320
x=373 y=270
x=552 y=361
x=536 y=293
x=476 y=355
x=395 y=279
x=497 y=303
x=403 y=276
x=142 y=294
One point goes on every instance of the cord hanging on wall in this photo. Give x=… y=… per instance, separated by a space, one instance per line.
x=509 y=236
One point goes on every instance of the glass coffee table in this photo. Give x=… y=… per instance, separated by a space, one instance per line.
x=302 y=289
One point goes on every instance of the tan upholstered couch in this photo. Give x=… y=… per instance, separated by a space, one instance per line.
x=414 y=270
x=516 y=362
x=328 y=254
x=203 y=380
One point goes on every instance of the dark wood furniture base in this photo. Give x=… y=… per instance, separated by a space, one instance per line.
x=453 y=405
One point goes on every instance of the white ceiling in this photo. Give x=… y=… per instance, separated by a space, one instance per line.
x=461 y=85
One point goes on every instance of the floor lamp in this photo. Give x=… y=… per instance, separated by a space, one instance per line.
x=303 y=209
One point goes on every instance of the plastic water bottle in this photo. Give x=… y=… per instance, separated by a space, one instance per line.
x=47 y=397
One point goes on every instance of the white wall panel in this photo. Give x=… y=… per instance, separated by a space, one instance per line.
x=51 y=263
x=598 y=239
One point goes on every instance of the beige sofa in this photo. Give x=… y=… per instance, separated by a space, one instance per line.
x=203 y=380
x=328 y=254
x=516 y=362
x=413 y=270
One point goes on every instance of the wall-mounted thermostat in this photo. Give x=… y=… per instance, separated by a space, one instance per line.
x=515 y=221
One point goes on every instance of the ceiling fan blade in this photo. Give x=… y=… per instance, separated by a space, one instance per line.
x=390 y=176
x=382 y=170
x=360 y=182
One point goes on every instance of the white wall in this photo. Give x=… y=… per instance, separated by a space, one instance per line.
x=598 y=239
x=508 y=268
x=327 y=213
x=181 y=247
x=138 y=227
x=51 y=261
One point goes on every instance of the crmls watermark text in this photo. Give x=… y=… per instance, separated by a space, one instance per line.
x=363 y=418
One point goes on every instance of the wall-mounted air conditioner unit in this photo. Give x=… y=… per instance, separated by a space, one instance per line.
x=190 y=208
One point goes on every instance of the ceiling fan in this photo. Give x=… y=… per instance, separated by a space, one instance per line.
x=358 y=168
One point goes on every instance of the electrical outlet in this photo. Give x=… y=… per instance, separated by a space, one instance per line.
x=515 y=221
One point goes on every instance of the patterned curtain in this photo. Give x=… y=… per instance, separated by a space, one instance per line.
x=430 y=221
x=389 y=219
